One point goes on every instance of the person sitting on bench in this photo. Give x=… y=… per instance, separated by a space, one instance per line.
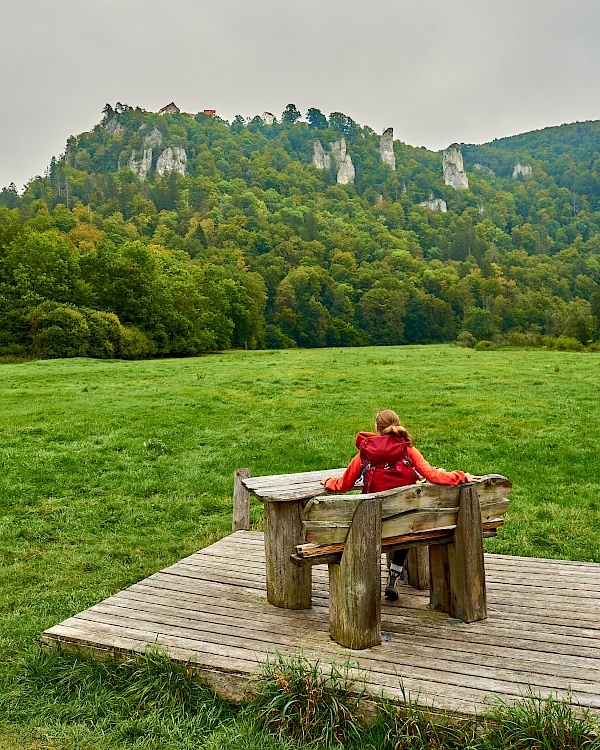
x=386 y=459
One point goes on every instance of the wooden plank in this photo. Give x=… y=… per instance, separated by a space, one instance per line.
x=287 y=585
x=302 y=477
x=445 y=535
x=417 y=648
x=241 y=501
x=355 y=582
x=335 y=532
x=427 y=496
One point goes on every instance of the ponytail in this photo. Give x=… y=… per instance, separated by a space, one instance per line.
x=388 y=423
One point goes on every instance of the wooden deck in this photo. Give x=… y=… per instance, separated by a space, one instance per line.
x=210 y=610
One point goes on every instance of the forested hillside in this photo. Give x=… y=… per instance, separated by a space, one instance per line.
x=175 y=234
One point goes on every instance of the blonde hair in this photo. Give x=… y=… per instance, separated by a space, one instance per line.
x=388 y=423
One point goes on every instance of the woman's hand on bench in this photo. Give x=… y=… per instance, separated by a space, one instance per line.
x=472 y=478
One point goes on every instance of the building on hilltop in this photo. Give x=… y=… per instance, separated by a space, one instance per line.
x=210 y=112
x=170 y=109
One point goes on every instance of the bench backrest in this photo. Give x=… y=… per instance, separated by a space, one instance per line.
x=405 y=510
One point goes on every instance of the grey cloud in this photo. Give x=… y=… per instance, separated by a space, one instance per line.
x=438 y=72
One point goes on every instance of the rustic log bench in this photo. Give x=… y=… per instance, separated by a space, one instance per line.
x=306 y=527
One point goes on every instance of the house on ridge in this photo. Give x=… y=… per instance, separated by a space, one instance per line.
x=170 y=109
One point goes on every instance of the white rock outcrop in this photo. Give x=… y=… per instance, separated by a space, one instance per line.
x=268 y=118
x=435 y=204
x=386 y=148
x=140 y=167
x=113 y=126
x=454 y=171
x=153 y=139
x=172 y=159
x=343 y=162
x=320 y=159
x=522 y=170
x=483 y=168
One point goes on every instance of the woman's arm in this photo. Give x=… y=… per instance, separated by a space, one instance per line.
x=437 y=476
x=347 y=481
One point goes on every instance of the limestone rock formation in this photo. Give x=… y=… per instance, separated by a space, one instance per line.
x=522 y=170
x=343 y=162
x=153 y=139
x=341 y=159
x=454 y=171
x=172 y=159
x=114 y=127
x=268 y=118
x=320 y=159
x=386 y=148
x=435 y=204
x=140 y=167
x=483 y=168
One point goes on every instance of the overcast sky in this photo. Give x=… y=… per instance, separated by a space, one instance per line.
x=437 y=71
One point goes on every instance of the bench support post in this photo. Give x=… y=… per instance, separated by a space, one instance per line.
x=288 y=585
x=355 y=582
x=241 y=502
x=457 y=570
x=417 y=564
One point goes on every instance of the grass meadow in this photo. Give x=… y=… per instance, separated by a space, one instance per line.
x=111 y=470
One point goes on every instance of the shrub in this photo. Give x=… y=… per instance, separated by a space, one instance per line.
x=274 y=338
x=566 y=344
x=484 y=346
x=59 y=331
x=525 y=339
x=466 y=339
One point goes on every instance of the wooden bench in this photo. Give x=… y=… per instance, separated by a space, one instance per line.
x=443 y=526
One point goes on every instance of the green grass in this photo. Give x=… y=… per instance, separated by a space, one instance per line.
x=113 y=470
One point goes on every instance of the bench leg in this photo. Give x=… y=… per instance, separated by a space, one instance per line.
x=467 y=570
x=457 y=570
x=439 y=576
x=288 y=585
x=355 y=582
x=417 y=564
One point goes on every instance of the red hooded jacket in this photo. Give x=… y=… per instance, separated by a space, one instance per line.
x=355 y=467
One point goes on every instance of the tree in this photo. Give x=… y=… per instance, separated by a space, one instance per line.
x=290 y=115
x=341 y=122
x=479 y=323
x=316 y=119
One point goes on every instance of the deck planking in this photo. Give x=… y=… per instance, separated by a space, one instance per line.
x=210 y=610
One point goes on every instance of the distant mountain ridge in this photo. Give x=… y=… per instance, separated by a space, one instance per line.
x=313 y=233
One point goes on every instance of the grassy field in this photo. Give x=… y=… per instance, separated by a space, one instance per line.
x=112 y=470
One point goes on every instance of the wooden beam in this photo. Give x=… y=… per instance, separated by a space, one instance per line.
x=288 y=585
x=318 y=553
x=241 y=501
x=466 y=564
x=355 y=582
x=493 y=487
x=410 y=522
x=417 y=564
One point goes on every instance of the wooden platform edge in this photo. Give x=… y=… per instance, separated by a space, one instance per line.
x=233 y=686
x=239 y=687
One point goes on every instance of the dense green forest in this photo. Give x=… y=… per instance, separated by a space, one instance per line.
x=156 y=235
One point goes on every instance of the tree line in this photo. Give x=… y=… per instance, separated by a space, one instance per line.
x=254 y=246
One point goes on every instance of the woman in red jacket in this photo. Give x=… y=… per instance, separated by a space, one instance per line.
x=387 y=459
